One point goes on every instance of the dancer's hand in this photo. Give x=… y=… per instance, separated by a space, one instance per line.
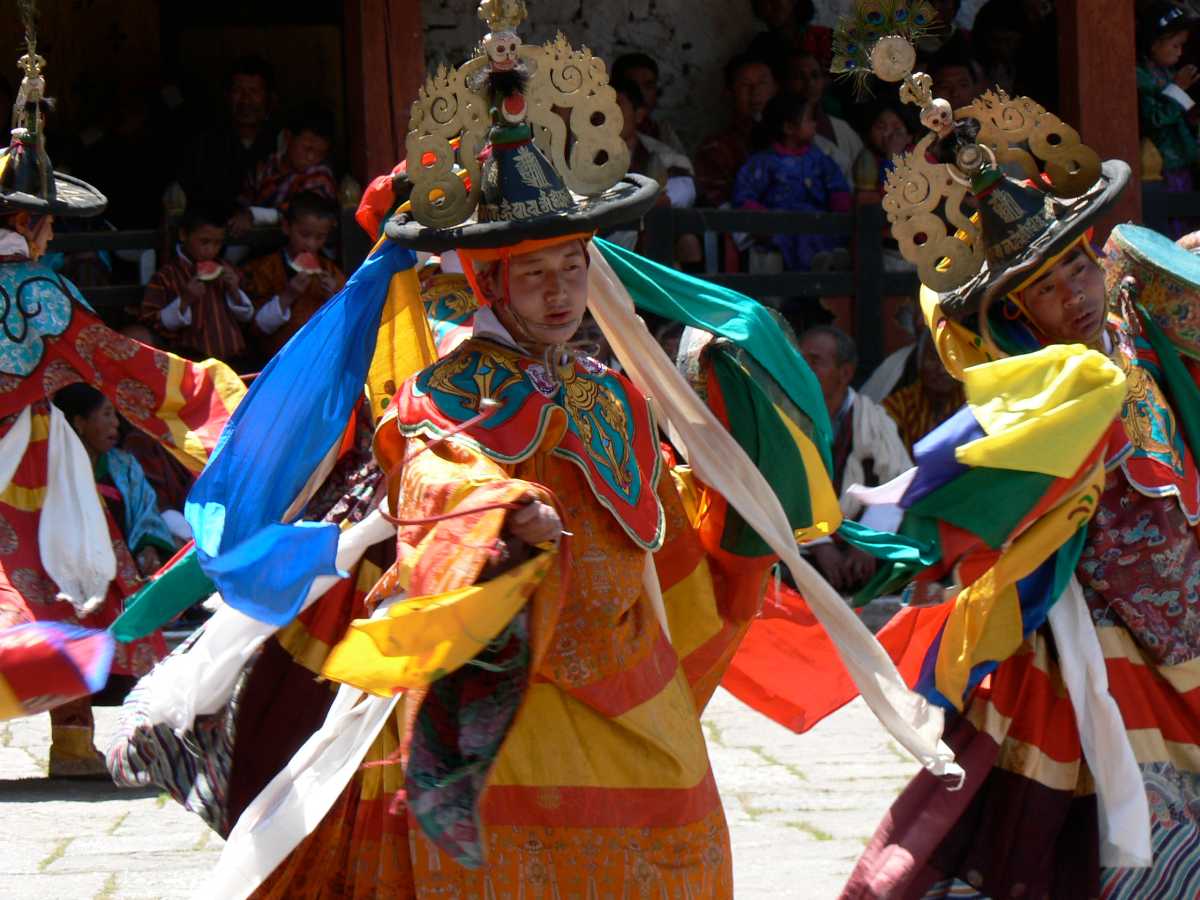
x=536 y=523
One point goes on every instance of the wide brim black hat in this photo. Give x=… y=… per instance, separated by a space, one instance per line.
x=1072 y=217
x=626 y=201
x=72 y=197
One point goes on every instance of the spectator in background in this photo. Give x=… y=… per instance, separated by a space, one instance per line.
x=301 y=164
x=946 y=34
x=807 y=78
x=790 y=30
x=922 y=406
x=170 y=479
x=655 y=159
x=1166 y=111
x=996 y=39
x=287 y=287
x=214 y=169
x=642 y=70
x=794 y=174
x=648 y=155
x=887 y=135
x=194 y=302
x=751 y=84
x=141 y=543
x=956 y=78
x=867 y=449
x=1018 y=42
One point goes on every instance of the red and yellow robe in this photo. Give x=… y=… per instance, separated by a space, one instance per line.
x=548 y=741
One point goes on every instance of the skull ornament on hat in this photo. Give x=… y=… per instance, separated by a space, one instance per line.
x=502 y=42
x=499 y=165
x=973 y=231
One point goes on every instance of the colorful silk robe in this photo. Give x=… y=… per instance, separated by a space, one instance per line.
x=1026 y=821
x=552 y=719
x=1064 y=466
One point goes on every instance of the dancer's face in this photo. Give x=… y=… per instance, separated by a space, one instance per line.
x=1067 y=303
x=547 y=294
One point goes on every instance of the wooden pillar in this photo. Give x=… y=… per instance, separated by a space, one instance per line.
x=1097 y=56
x=385 y=65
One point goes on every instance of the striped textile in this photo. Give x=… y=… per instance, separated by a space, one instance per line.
x=214 y=332
x=193 y=768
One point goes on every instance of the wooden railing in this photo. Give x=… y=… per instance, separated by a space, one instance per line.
x=866 y=282
x=112 y=297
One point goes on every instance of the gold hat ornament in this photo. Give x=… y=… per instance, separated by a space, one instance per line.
x=519 y=142
x=972 y=229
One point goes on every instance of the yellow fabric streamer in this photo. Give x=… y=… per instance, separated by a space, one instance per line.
x=826 y=511
x=957 y=346
x=986 y=622
x=405 y=344
x=1042 y=412
x=188 y=447
x=425 y=638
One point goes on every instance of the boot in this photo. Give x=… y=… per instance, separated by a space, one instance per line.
x=72 y=753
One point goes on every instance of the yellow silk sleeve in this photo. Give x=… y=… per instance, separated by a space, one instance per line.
x=422 y=639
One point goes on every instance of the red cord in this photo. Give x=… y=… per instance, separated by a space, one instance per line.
x=458 y=513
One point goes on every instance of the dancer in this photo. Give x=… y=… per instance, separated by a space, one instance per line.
x=60 y=568
x=1060 y=506
x=520 y=712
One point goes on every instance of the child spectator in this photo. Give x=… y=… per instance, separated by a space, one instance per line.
x=1166 y=111
x=751 y=83
x=642 y=70
x=194 y=301
x=299 y=166
x=806 y=77
x=793 y=173
x=285 y=291
x=887 y=136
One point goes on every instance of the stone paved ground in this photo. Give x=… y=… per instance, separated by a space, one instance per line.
x=800 y=810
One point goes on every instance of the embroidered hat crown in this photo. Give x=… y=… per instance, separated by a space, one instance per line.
x=538 y=128
x=955 y=208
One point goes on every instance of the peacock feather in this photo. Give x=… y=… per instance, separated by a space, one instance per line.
x=856 y=34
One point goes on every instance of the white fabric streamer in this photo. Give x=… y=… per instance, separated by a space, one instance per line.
x=201 y=681
x=76 y=548
x=1124 y=811
x=721 y=463
x=653 y=589
x=889 y=493
x=300 y=796
x=13 y=446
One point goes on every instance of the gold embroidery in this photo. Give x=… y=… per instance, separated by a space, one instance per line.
x=1148 y=421
x=493 y=373
x=582 y=396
